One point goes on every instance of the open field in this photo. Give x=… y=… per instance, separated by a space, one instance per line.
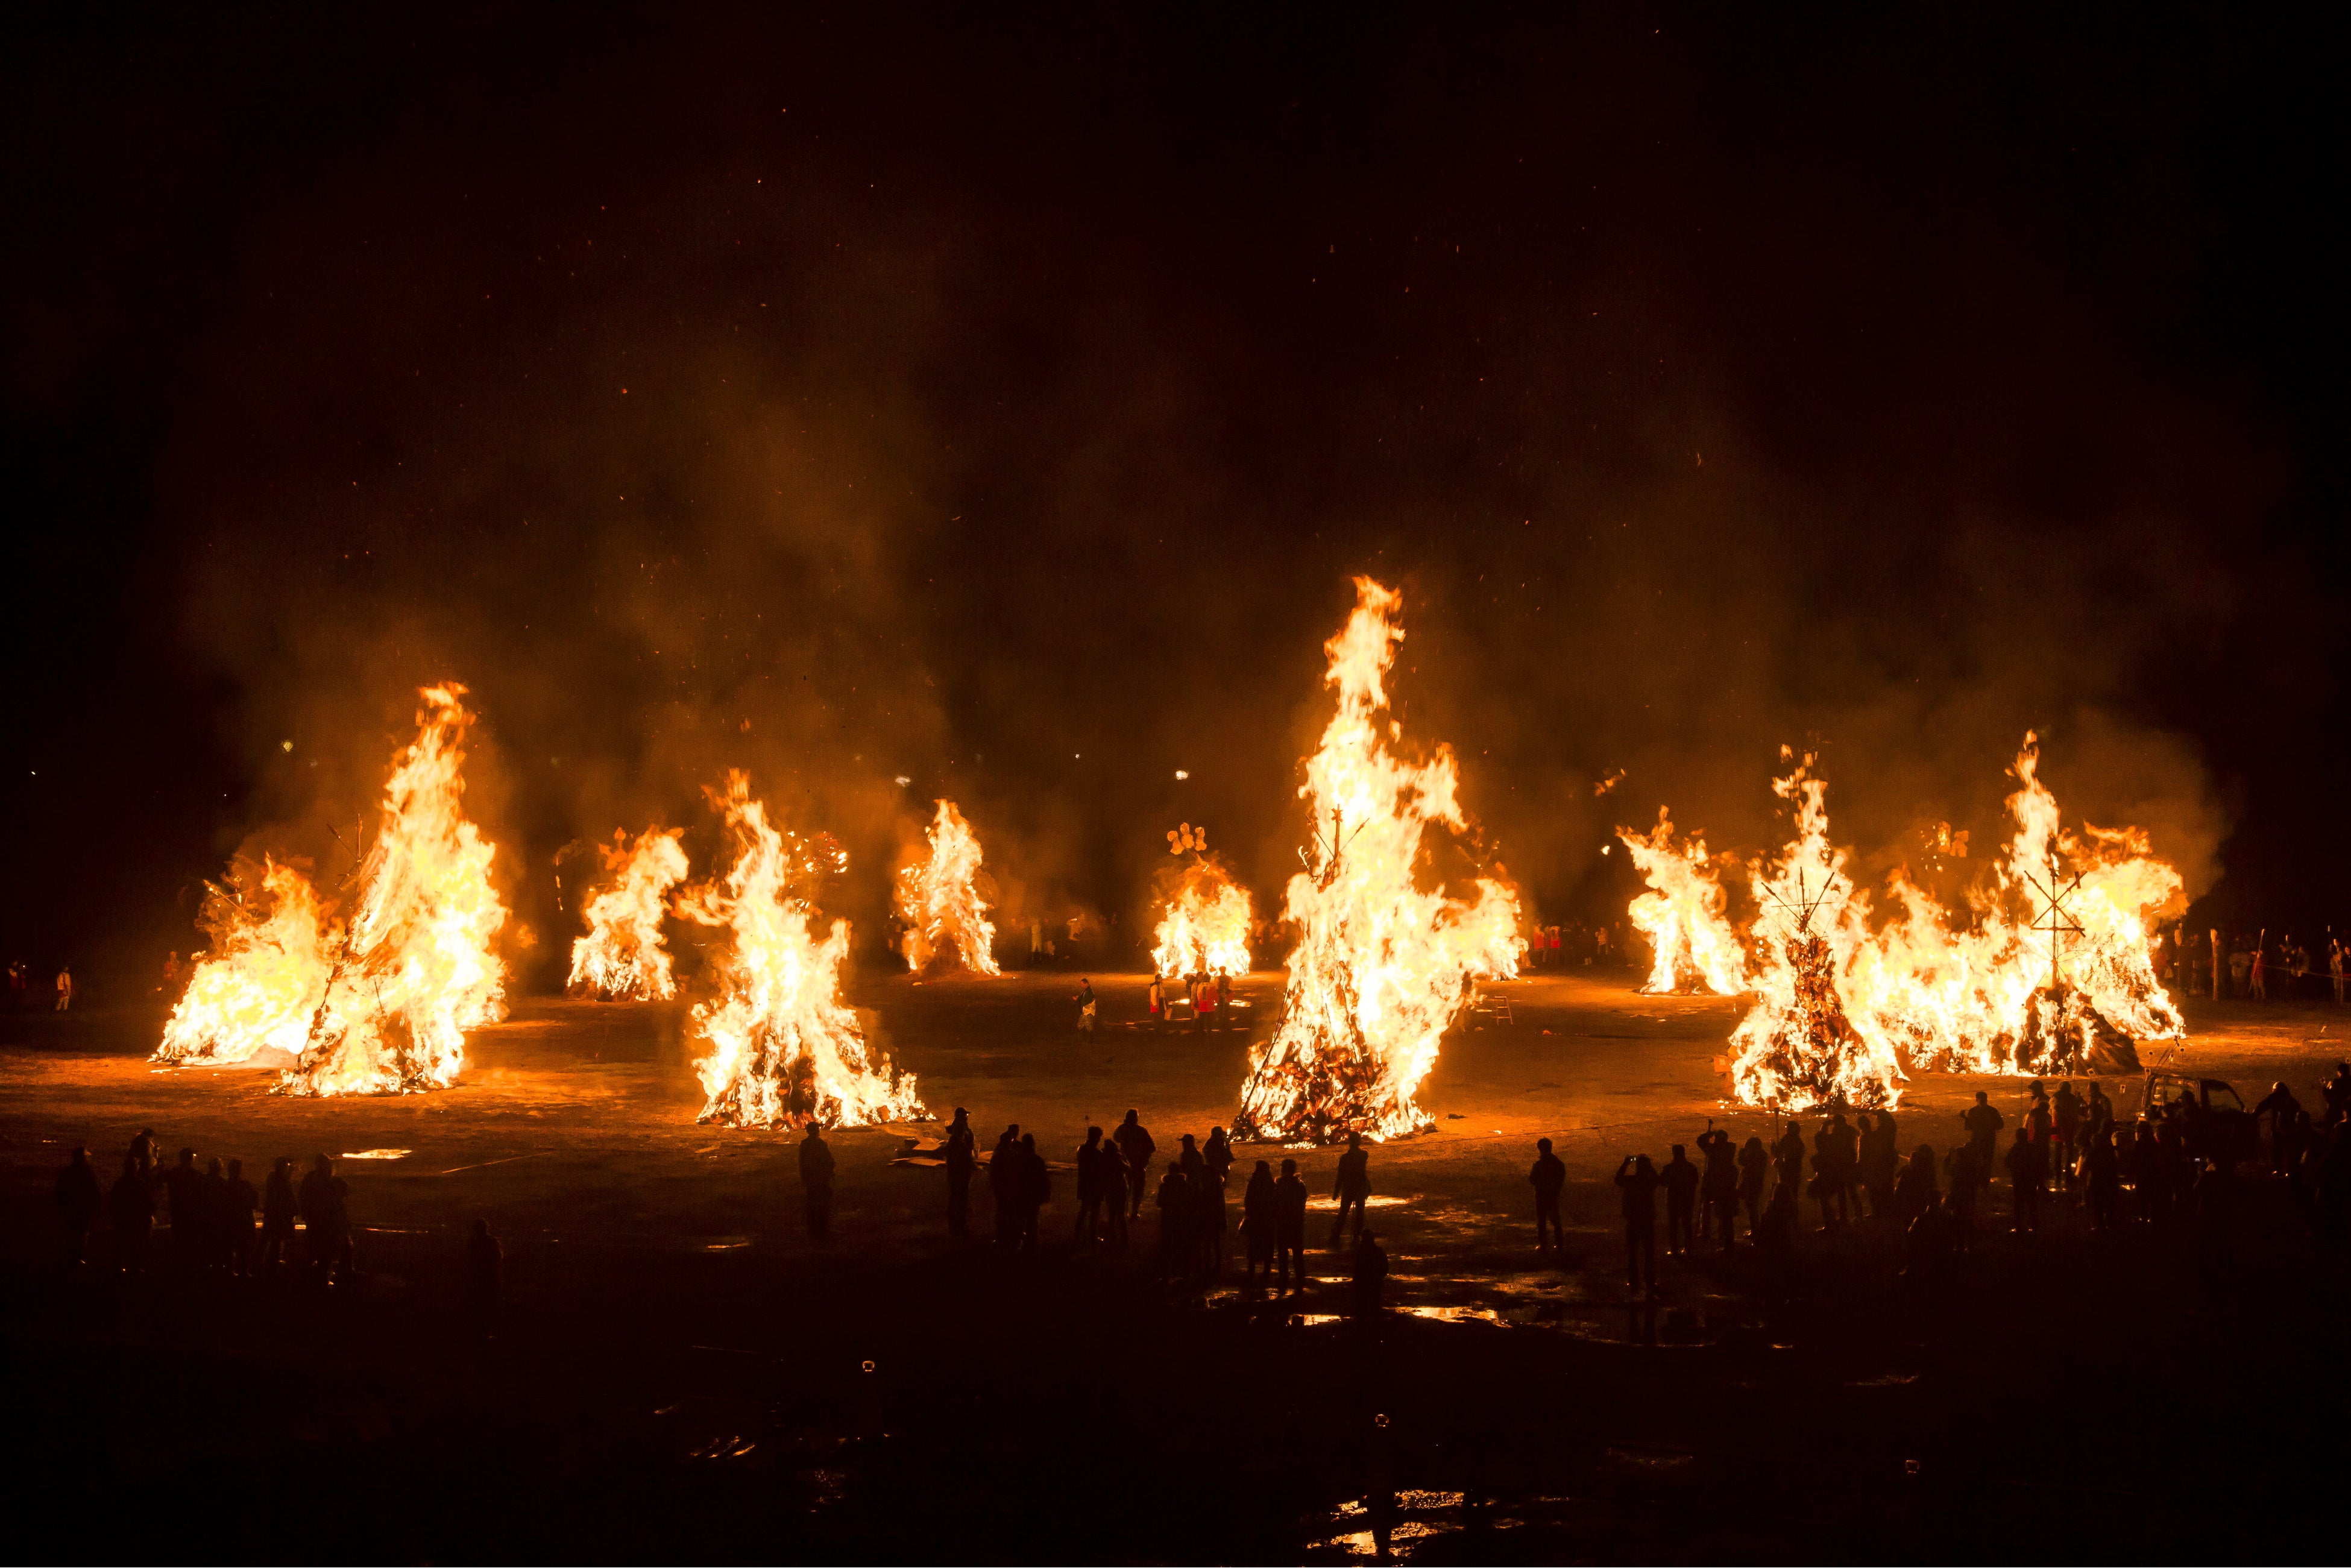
x=678 y=1367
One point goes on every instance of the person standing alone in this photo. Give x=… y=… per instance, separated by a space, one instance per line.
x=1353 y=1187
x=1547 y=1177
x=816 y=1180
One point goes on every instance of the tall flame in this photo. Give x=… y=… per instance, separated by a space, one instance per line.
x=1683 y=915
x=1982 y=993
x=782 y=1045
x=622 y=956
x=1381 y=967
x=1987 y=995
x=1204 y=928
x=939 y=898
x=414 y=968
x=258 y=983
x=1799 y=1045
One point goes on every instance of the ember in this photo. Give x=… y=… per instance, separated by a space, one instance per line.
x=1381 y=969
x=782 y=1045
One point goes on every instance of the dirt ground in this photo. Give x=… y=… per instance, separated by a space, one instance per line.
x=680 y=1371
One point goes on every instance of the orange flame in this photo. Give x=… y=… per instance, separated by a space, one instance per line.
x=263 y=971
x=1683 y=915
x=1798 y=1046
x=1984 y=994
x=415 y=968
x=1381 y=967
x=939 y=898
x=622 y=956
x=1204 y=925
x=1987 y=995
x=782 y=1046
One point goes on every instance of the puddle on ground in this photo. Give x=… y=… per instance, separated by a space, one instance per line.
x=1457 y=1314
x=379 y=1154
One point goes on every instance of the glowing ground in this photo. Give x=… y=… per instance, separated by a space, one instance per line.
x=667 y=1315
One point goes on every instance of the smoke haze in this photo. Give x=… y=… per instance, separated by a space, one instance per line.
x=854 y=401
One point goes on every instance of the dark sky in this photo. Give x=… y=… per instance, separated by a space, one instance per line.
x=1005 y=404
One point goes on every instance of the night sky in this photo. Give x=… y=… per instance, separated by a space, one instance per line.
x=1004 y=401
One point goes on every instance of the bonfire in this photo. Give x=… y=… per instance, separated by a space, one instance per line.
x=1798 y=1047
x=1204 y=921
x=1683 y=915
x=942 y=902
x=622 y=956
x=377 y=1001
x=1382 y=967
x=779 y=1046
x=2054 y=973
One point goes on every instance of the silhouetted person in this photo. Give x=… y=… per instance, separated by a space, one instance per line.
x=322 y=1223
x=1717 y=1187
x=1112 y=1165
x=2336 y=1092
x=816 y=1180
x=2331 y=1193
x=1369 y=1273
x=184 y=1191
x=1775 y=1239
x=1354 y=1186
x=277 y=1213
x=2102 y=1172
x=1134 y=1143
x=1637 y=1185
x=1090 y=1186
x=963 y=1161
x=1217 y=1154
x=1915 y=1188
x=78 y=1203
x=1679 y=1178
x=1968 y=1171
x=1881 y=1162
x=1547 y=1177
x=1209 y=1192
x=1196 y=1169
x=1260 y=1219
x=1176 y=1218
x=2216 y=1193
x=1004 y=1185
x=238 y=1202
x=2064 y=1130
x=2284 y=1113
x=1754 y=1164
x=1788 y=1160
x=213 y=1203
x=1983 y=1123
x=1836 y=1162
x=1036 y=1189
x=2146 y=1165
x=1290 y=1228
x=2028 y=1165
x=485 y=1261
x=1927 y=1240
x=132 y=1206
x=144 y=1153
